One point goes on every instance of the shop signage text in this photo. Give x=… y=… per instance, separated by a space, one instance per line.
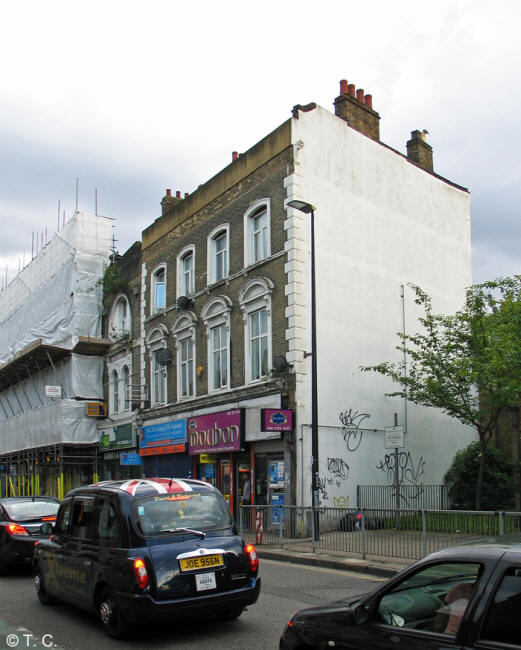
x=216 y=433
x=116 y=437
x=164 y=438
x=276 y=420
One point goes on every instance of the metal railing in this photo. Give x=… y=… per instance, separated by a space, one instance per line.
x=429 y=497
x=408 y=534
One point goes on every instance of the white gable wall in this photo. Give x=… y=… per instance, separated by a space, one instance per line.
x=380 y=223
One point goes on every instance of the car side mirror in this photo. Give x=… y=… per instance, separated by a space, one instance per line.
x=46 y=529
x=358 y=614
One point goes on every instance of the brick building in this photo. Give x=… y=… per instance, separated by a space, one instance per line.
x=225 y=318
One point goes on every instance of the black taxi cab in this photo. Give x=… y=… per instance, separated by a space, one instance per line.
x=146 y=550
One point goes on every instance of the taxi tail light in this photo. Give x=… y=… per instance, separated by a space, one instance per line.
x=141 y=573
x=16 y=529
x=48 y=518
x=252 y=558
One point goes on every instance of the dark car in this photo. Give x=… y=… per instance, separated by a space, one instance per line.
x=147 y=550
x=464 y=597
x=21 y=519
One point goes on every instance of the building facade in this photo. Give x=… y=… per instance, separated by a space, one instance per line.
x=225 y=312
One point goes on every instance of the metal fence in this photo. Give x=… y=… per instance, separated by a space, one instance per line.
x=408 y=534
x=423 y=497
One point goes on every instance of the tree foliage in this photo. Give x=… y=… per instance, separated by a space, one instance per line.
x=498 y=482
x=113 y=280
x=468 y=364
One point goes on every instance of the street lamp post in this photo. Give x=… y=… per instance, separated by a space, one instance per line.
x=307 y=208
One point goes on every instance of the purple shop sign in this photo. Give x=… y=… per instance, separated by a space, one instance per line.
x=276 y=420
x=216 y=433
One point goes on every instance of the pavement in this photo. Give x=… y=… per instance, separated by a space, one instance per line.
x=373 y=565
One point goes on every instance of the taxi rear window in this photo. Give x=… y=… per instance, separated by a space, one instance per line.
x=171 y=513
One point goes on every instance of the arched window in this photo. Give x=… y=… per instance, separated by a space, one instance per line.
x=126 y=388
x=257 y=232
x=218 y=262
x=216 y=317
x=184 y=335
x=120 y=322
x=157 y=340
x=255 y=301
x=158 y=290
x=186 y=272
x=115 y=391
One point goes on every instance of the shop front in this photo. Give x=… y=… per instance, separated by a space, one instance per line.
x=163 y=449
x=118 y=449
x=219 y=453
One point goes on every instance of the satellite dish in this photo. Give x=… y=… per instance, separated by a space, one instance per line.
x=183 y=302
x=163 y=356
x=280 y=364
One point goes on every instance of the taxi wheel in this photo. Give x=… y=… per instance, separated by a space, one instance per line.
x=111 y=618
x=43 y=596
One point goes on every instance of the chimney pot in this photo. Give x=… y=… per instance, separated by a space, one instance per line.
x=369 y=101
x=178 y=194
x=343 y=87
x=186 y=195
x=360 y=95
x=351 y=90
x=169 y=192
x=235 y=155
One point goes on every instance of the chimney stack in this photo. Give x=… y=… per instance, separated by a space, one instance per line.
x=169 y=201
x=419 y=151
x=356 y=109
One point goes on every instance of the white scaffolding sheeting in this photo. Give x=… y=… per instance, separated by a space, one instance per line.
x=62 y=422
x=78 y=376
x=57 y=298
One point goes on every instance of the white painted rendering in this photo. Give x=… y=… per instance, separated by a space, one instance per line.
x=380 y=223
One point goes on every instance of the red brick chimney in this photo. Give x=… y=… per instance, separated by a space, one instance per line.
x=357 y=110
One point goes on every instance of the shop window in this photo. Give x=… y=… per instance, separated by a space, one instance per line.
x=257 y=233
x=218 y=254
x=255 y=301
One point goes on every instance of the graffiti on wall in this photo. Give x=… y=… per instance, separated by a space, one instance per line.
x=401 y=469
x=351 y=432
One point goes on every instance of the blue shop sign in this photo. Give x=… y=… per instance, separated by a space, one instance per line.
x=166 y=433
x=130 y=459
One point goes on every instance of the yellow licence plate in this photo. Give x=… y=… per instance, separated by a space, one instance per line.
x=201 y=562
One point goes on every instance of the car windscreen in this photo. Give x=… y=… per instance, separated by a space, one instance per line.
x=28 y=509
x=175 y=513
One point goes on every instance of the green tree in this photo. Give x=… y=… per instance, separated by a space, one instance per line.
x=467 y=364
x=498 y=481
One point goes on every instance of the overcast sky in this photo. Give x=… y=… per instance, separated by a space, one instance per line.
x=133 y=98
